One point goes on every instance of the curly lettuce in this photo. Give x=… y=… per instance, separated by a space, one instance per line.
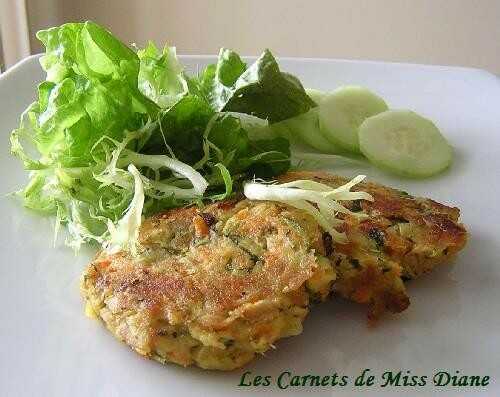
x=117 y=134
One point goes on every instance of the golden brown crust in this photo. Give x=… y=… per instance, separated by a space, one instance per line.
x=223 y=274
x=407 y=229
x=402 y=238
x=213 y=286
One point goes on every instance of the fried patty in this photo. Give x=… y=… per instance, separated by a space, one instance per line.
x=402 y=238
x=214 y=286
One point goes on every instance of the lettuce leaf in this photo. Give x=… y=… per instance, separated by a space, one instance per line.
x=161 y=76
x=180 y=130
x=115 y=131
x=261 y=90
x=239 y=154
x=91 y=90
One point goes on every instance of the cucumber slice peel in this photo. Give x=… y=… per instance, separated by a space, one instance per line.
x=343 y=111
x=305 y=129
x=404 y=143
x=316 y=95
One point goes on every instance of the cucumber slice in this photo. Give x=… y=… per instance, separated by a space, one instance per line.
x=305 y=128
x=343 y=111
x=405 y=143
x=316 y=95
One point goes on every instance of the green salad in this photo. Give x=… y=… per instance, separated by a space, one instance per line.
x=119 y=133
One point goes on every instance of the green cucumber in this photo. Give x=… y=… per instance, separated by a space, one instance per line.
x=343 y=111
x=316 y=95
x=305 y=128
x=404 y=143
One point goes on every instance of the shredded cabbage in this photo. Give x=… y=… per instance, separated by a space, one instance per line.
x=124 y=235
x=117 y=133
x=319 y=200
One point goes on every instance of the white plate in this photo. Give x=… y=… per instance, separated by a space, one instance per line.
x=49 y=348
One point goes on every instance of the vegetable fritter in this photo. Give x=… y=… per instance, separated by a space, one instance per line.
x=213 y=286
x=402 y=238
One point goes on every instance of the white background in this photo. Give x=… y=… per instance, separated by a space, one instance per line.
x=444 y=32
